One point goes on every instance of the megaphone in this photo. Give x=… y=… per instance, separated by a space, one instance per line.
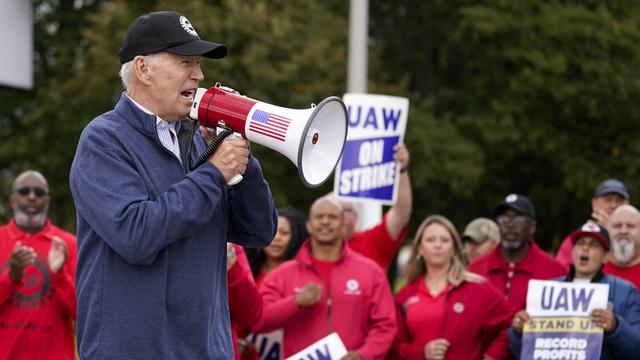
x=313 y=139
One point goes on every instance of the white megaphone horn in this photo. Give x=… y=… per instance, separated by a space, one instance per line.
x=313 y=139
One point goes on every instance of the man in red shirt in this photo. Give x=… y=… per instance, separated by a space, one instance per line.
x=381 y=242
x=37 y=272
x=329 y=288
x=517 y=259
x=609 y=195
x=624 y=258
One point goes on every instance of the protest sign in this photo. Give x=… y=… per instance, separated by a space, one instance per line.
x=367 y=170
x=268 y=345
x=327 y=348
x=560 y=327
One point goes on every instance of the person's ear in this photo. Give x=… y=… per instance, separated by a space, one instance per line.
x=142 y=69
x=307 y=225
x=532 y=228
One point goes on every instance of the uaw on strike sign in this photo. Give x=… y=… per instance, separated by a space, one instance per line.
x=367 y=170
x=560 y=327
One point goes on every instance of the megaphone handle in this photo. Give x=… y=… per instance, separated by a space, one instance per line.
x=213 y=146
x=237 y=177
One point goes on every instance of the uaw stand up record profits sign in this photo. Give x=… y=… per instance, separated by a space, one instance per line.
x=560 y=328
x=367 y=170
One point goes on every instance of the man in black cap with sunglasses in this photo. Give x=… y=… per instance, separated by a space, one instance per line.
x=152 y=232
x=37 y=271
x=517 y=259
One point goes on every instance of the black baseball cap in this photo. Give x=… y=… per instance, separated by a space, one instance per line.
x=611 y=186
x=517 y=202
x=166 y=31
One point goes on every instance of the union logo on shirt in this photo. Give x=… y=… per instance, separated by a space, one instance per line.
x=352 y=287
x=36 y=289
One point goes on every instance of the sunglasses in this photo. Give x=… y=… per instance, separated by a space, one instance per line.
x=26 y=190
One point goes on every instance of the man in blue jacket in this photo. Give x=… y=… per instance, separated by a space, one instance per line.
x=151 y=274
x=621 y=323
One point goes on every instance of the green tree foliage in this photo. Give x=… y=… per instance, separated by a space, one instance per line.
x=506 y=96
x=542 y=92
x=289 y=53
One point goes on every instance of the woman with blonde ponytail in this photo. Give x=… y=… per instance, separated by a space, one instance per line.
x=444 y=311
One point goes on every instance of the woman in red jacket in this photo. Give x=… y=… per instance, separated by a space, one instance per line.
x=446 y=312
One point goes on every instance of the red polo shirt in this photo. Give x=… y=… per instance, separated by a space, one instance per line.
x=511 y=278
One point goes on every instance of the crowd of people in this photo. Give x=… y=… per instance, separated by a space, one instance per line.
x=173 y=263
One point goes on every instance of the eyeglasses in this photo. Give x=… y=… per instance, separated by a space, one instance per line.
x=26 y=190
x=518 y=219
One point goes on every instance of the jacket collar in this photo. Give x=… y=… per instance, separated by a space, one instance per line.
x=136 y=117
x=572 y=274
x=304 y=254
x=527 y=264
x=16 y=233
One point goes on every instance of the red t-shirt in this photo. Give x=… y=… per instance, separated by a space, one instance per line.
x=377 y=244
x=631 y=274
x=37 y=314
x=325 y=268
x=425 y=314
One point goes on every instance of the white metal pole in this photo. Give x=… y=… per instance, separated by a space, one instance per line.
x=369 y=214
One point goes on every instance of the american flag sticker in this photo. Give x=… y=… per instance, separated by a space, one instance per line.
x=269 y=124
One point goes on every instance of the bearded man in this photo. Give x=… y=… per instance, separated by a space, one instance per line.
x=37 y=274
x=624 y=258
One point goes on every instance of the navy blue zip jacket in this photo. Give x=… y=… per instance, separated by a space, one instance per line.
x=151 y=275
x=624 y=341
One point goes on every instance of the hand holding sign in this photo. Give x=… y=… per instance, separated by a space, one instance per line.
x=519 y=320
x=401 y=155
x=604 y=319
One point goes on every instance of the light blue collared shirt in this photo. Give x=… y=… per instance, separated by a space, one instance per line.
x=166 y=131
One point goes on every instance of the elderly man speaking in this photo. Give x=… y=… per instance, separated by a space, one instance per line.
x=152 y=233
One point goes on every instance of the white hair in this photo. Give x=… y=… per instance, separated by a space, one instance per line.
x=127 y=68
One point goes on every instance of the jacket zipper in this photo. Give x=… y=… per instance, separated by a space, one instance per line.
x=167 y=150
x=329 y=302
x=187 y=159
x=446 y=312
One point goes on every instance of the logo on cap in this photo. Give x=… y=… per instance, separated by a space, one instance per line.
x=591 y=227
x=511 y=198
x=186 y=25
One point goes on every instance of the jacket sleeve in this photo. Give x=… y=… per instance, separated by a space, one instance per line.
x=254 y=218
x=278 y=307
x=497 y=320
x=402 y=347
x=245 y=302
x=515 y=342
x=115 y=202
x=382 y=320
x=624 y=341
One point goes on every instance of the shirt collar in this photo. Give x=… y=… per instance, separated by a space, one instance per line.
x=16 y=233
x=527 y=264
x=159 y=122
